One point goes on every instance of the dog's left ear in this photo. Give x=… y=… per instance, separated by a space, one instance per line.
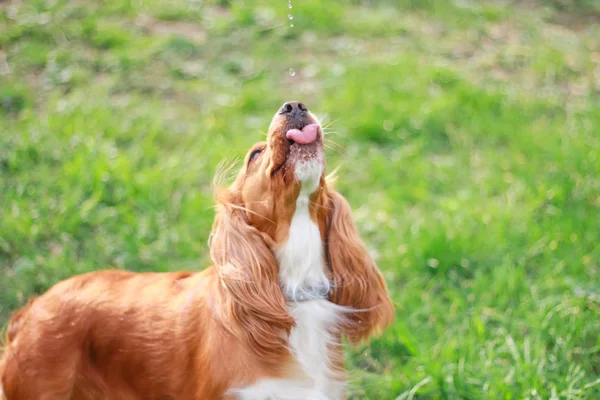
x=253 y=303
x=357 y=282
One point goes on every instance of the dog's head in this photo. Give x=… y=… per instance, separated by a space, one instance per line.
x=253 y=220
x=276 y=171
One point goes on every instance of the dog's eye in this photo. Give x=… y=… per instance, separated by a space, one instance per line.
x=254 y=154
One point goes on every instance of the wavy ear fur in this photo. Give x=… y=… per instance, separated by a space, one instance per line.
x=253 y=302
x=357 y=282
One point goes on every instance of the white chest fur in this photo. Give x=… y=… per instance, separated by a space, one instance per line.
x=302 y=264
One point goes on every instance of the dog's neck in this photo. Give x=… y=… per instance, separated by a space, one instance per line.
x=303 y=278
x=302 y=257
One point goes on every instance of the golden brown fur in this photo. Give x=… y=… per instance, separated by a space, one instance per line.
x=127 y=336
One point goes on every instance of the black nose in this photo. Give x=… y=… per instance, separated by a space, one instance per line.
x=293 y=109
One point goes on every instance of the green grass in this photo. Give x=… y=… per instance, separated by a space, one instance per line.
x=468 y=135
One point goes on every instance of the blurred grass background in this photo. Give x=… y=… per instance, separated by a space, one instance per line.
x=468 y=135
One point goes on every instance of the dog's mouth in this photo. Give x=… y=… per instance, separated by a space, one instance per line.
x=305 y=135
x=305 y=154
x=295 y=138
x=298 y=144
x=304 y=141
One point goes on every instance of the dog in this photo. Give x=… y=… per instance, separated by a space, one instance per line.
x=291 y=278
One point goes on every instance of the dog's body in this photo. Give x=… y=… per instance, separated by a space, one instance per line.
x=291 y=277
x=118 y=335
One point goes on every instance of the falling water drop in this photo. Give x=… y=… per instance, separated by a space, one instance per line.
x=291 y=17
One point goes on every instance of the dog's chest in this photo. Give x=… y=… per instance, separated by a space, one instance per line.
x=302 y=265
x=310 y=340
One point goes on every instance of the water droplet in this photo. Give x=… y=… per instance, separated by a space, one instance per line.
x=291 y=25
x=292 y=72
x=290 y=16
x=290 y=6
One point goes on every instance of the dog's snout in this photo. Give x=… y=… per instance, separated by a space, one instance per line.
x=293 y=109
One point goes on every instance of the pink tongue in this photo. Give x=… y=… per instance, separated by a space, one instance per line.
x=307 y=135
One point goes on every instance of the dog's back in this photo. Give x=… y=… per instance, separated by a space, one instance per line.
x=109 y=334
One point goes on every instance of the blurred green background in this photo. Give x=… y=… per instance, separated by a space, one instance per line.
x=467 y=132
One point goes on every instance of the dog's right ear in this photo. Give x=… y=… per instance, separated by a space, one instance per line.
x=357 y=282
x=254 y=304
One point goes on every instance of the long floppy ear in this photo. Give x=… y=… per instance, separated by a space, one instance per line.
x=357 y=282
x=254 y=305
